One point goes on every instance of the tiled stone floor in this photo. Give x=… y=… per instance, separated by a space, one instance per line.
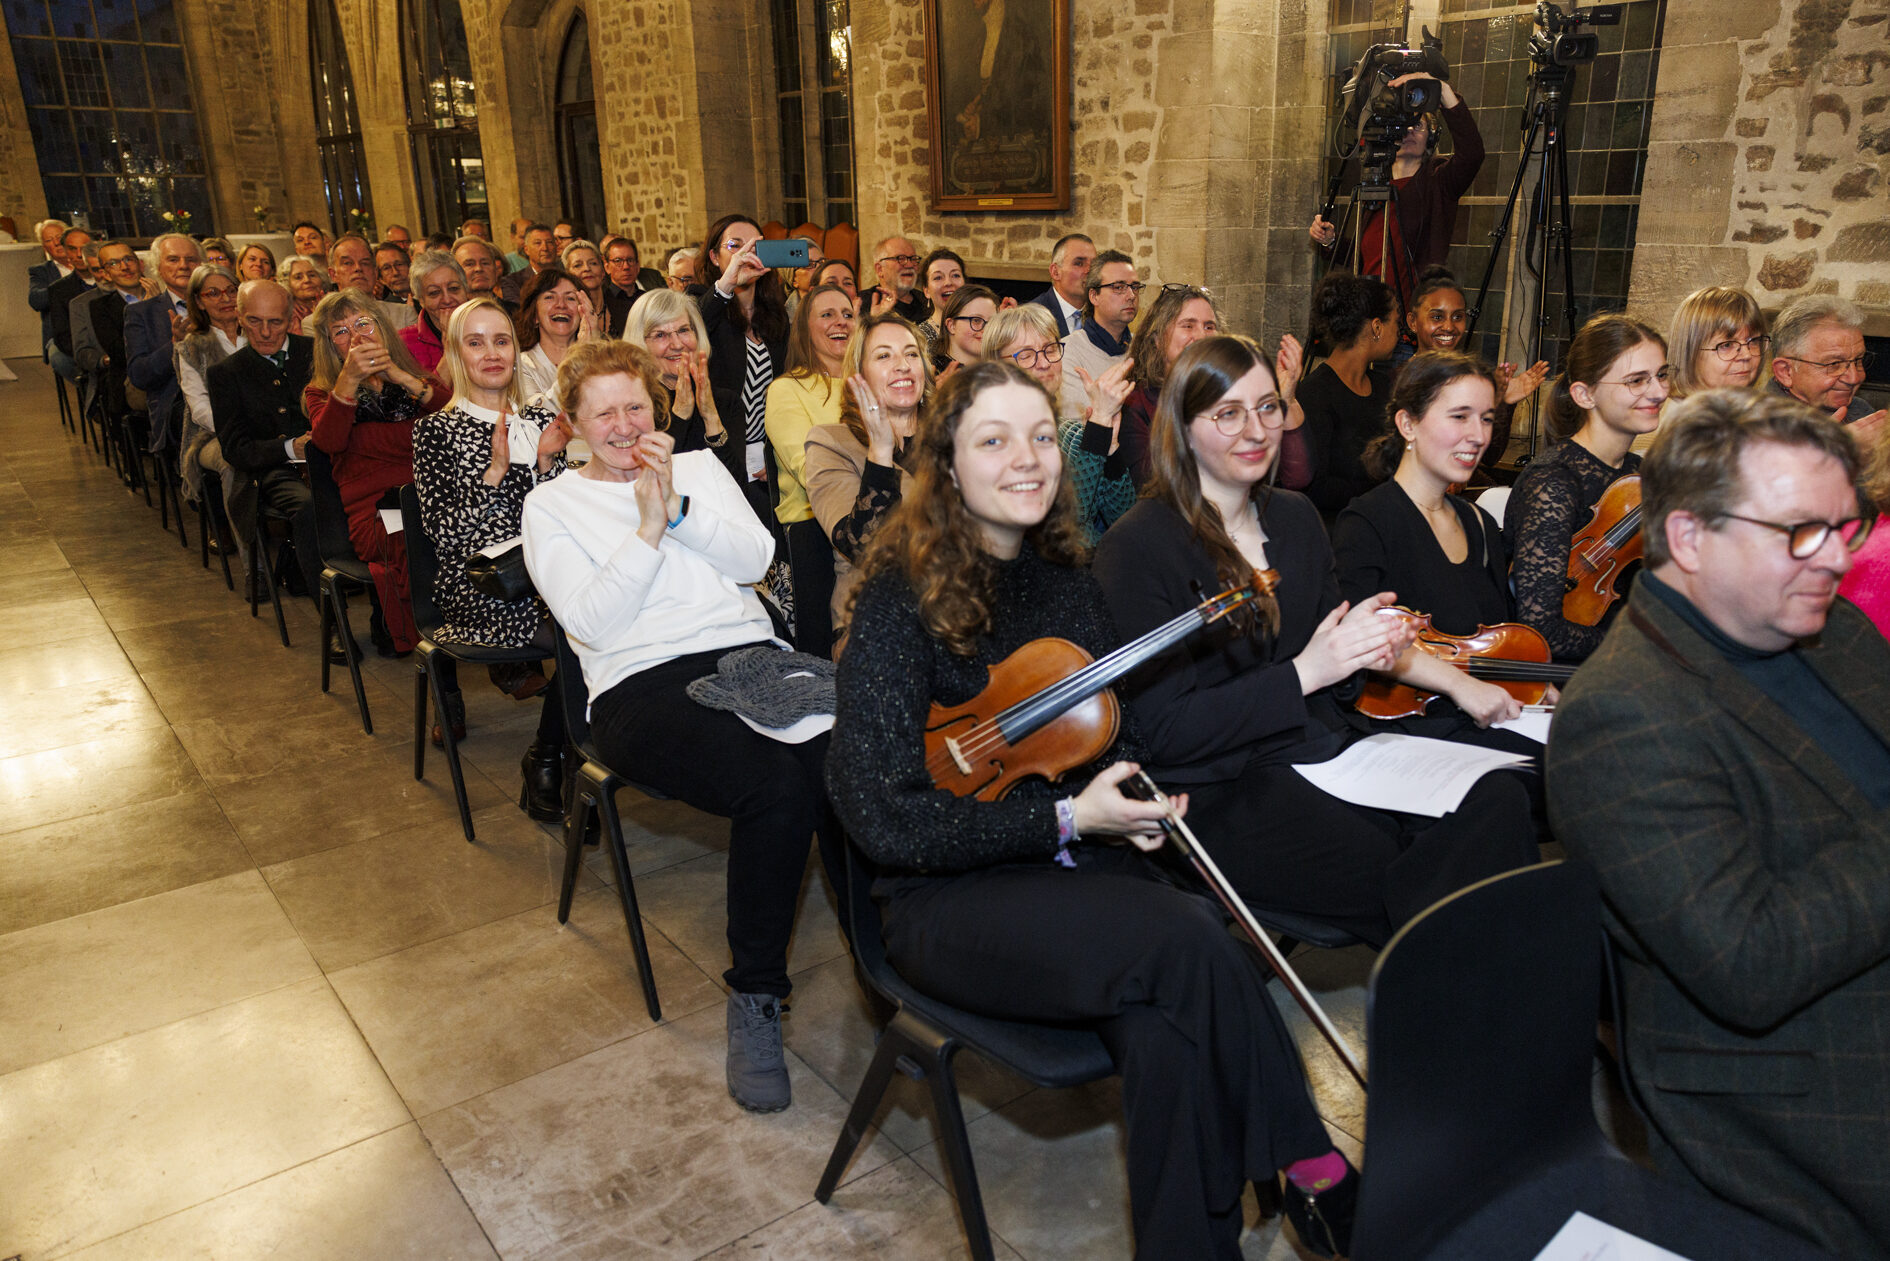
x=260 y=997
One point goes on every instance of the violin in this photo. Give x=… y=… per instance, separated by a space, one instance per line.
x=1047 y=707
x=1601 y=551
x=1511 y=655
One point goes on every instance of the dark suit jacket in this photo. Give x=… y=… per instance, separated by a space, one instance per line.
x=256 y=405
x=148 y=360
x=103 y=311
x=617 y=304
x=1048 y=301
x=1747 y=882
x=512 y=285
x=40 y=279
x=59 y=308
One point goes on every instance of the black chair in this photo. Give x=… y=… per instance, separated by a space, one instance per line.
x=422 y=566
x=342 y=572
x=1481 y=1023
x=169 y=479
x=65 y=405
x=211 y=517
x=262 y=570
x=593 y=791
x=921 y=1040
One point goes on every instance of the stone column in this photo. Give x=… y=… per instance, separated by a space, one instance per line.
x=22 y=195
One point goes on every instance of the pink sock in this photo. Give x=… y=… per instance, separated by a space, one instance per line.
x=1317 y=1174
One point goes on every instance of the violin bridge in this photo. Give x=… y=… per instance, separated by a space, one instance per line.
x=958 y=758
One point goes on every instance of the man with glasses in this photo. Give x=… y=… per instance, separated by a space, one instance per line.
x=98 y=324
x=624 y=282
x=1100 y=339
x=1723 y=762
x=1070 y=261
x=390 y=270
x=77 y=280
x=1818 y=358
x=351 y=263
x=896 y=265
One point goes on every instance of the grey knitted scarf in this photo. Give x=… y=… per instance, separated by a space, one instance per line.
x=757 y=684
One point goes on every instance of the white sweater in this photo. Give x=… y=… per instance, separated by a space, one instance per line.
x=628 y=606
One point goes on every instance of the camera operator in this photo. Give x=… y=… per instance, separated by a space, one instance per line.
x=1427 y=187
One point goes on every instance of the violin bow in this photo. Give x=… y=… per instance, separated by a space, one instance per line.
x=1204 y=865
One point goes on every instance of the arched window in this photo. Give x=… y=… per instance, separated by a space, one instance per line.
x=442 y=125
x=108 y=101
x=580 y=171
x=337 y=124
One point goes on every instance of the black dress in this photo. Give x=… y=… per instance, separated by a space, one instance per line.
x=1225 y=716
x=979 y=913
x=1554 y=498
x=1339 y=426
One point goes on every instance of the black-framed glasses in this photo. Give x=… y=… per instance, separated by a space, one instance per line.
x=1031 y=356
x=977 y=322
x=1836 y=367
x=905 y=260
x=127 y=258
x=1805 y=538
x=1124 y=288
x=1730 y=349
x=1193 y=291
x=1231 y=418
x=1638 y=382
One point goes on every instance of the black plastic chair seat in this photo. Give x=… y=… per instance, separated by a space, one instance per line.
x=1045 y=1055
x=480 y=654
x=350 y=568
x=1302 y=928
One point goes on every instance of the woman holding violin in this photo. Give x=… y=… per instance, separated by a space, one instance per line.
x=1610 y=391
x=1032 y=907
x=1229 y=714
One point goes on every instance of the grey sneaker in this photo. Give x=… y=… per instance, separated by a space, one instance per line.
x=757 y=1071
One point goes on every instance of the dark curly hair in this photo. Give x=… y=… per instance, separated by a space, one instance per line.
x=932 y=540
x=1344 y=304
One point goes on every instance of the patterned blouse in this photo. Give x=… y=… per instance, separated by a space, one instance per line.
x=451 y=451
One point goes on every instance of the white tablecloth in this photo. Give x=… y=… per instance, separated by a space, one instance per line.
x=281 y=244
x=19 y=323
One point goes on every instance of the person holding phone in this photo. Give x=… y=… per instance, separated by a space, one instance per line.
x=745 y=313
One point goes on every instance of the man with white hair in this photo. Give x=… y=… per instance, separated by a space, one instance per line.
x=154 y=325
x=1818 y=358
x=43 y=276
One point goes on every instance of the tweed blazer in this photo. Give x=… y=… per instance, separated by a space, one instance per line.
x=1747 y=885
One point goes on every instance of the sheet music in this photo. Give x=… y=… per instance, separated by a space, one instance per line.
x=390 y=520
x=1534 y=723
x=1413 y=774
x=1585 y=1238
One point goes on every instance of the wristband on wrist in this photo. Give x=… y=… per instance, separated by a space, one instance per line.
x=1066 y=830
x=682 y=510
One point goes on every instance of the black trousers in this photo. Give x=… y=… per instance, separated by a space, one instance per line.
x=284 y=493
x=648 y=729
x=1213 y=1091
x=1289 y=846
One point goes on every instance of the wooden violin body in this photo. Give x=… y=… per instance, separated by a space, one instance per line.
x=1601 y=551
x=970 y=764
x=1511 y=655
x=1047 y=707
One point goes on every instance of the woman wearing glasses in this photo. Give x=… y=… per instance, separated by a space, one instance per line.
x=1229 y=714
x=1613 y=383
x=1718 y=341
x=745 y=314
x=961 y=328
x=1093 y=459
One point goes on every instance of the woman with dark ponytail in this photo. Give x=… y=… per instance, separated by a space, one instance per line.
x=1344 y=398
x=1610 y=392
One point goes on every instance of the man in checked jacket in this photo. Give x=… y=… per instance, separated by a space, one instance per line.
x=1724 y=763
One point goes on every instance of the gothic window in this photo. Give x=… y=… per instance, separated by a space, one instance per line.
x=580 y=169
x=337 y=124
x=108 y=101
x=442 y=121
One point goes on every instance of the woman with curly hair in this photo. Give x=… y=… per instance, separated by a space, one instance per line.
x=1013 y=908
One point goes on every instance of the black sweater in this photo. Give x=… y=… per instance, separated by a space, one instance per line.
x=1223 y=697
x=1339 y=426
x=890 y=675
x=1383 y=543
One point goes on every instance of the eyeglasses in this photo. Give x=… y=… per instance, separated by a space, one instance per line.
x=1807 y=537
x=1231 y=418
x=120 y=262
x=1193 y=291
x=1836 y=367
x=358 y=327
x=1638 y=382
x=977 y=322
x=1031 y=356
x=1124 y=288
x=1730 y=349
x=904 y=260
x=207 y=294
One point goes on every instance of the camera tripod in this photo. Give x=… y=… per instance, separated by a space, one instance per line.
x=1545 y=108
x=1349 y=227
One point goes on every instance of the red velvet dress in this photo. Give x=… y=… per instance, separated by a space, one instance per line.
x=371 y=444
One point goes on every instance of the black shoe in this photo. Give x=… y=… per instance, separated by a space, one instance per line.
x=456 y=712
x=542 y=796
x=377 y=631
x=1323 y=1221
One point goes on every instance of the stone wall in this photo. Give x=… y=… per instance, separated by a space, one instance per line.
x=1769 y=151
x=21 y=194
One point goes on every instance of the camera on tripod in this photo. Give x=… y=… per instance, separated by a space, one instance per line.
x=1377 y=116
x=1559 y=40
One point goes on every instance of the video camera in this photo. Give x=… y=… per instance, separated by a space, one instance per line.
x=1559 y=41
x=1376 y=115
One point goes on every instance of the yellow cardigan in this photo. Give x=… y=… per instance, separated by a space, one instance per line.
x=795 y=405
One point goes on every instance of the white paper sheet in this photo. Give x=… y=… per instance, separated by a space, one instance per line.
x=499 y=549
x=1534 y=723
x=1585 y=1238
x=1413 y=774
x=391 y=521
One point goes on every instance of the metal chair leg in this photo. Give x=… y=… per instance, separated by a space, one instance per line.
x=422 y=658
x=627 y=896
x=452 y=752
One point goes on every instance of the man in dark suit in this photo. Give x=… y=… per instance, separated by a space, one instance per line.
x=626 y=283
x=256 y=401
x=153 y=325
x=541 y=252
x=1070 y=258
x=1724 y=763
x=42 y=276
x=98 y=324
x=59 y=296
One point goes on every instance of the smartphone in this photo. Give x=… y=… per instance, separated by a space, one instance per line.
x=789 y=253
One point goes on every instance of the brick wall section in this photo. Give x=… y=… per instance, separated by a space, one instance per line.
x=645 y=77
x=21 y=193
